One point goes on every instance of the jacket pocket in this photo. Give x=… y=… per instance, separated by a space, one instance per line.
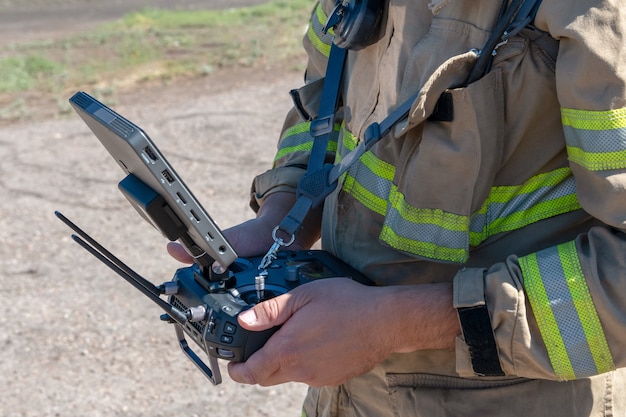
x=449 y=172
x=457 y=160
x=327 y=402
x=425 y=395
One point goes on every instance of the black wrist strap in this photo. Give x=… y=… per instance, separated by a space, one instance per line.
x=478 y=335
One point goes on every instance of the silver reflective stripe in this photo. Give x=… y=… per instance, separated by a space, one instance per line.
x=445 y=236
x=508 y=208
x=565 y=312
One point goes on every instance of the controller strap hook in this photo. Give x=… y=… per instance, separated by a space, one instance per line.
x=272 y=253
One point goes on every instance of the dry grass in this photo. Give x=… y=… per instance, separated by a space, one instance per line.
x=147 y=47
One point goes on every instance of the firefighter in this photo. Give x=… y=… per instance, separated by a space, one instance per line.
x=491 y=218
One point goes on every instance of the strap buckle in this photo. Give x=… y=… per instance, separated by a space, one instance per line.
x=322 y=125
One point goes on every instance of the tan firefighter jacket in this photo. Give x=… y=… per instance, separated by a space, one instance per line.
x=520 y=200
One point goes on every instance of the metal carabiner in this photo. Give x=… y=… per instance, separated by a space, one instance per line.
x=271 y=254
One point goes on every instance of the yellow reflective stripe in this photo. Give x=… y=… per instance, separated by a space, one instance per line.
x=303 y=127
x=349 y=140
x=376 y=204
x=373 y=186
x=509 y=208
x=597 y=161
x=565 y=313
x=596 y=140
x=540 y=304
x=305 y=144
x=402 y=221
x=504 y=194
x=425 y=249
x=447 y=236
x=594 y=120
x=539 y=211
x=320 y=41
x=298 y=139
x=437 y=217
x=442 y=235
x=322 y=17
x=382 y=169
x=585 y=308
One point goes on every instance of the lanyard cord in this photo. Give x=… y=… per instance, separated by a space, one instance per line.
x=314 y=186
x=321 y=179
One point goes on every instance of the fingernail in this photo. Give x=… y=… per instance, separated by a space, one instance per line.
x=248 y=316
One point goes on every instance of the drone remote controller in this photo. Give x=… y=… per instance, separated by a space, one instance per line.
x=212 y=312
x=206 y=310
x=203 y=304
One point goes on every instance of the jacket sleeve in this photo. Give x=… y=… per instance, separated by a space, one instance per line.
x=295 y=142
x=560 y=313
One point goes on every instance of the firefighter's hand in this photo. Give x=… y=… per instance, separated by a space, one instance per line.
x=254 y=237
x=334 y=329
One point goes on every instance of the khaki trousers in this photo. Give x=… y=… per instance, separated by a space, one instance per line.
x=378 y=394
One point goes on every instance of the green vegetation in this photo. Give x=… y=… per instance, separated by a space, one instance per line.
x=24 y=73
x=153 y=45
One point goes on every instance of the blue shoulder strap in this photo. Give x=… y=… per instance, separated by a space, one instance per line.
x=321 y=179
x=513 y=17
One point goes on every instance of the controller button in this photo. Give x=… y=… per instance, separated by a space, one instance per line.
x=292 y=273
x=226 y=339
x=225 y=353
x=211 y=325
x=230 y=328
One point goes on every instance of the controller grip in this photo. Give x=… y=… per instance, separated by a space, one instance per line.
x=255 y=341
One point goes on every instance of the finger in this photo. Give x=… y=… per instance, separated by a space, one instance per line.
x=273 y=364
x=178 y=252
x=269 y=313
x=267 y=366
x=258 y=369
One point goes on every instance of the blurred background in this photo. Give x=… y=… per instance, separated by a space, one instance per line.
x=51 y=47
x=208 y=81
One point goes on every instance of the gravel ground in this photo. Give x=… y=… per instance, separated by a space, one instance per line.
x=76 y=339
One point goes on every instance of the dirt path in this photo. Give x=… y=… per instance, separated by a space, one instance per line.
x=77 y=340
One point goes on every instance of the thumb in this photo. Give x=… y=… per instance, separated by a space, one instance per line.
x=178 y=252
x=268 y=314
